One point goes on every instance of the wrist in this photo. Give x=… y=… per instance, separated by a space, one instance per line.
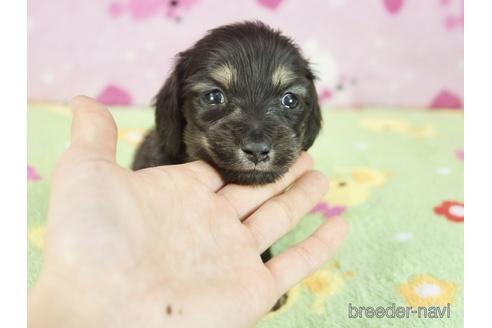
x=58 y=304
x=56 y=301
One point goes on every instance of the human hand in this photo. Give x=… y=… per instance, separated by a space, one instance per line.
x=170 y=245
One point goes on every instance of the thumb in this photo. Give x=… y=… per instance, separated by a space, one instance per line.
x=93 y=128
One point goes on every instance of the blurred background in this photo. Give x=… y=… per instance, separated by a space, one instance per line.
x=403 y=53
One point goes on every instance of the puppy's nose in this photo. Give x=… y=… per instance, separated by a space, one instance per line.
x=257 y=151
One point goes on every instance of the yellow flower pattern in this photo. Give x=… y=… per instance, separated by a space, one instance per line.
x=426 y=290
x=355 y=188
x=323 y=284
x=131 y=136
x=388 y=125
x=36 y=236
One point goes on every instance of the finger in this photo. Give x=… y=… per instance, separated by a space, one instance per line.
x=202 y=172
x=246 y=199
x=301 y=260
x=280 y=214
x=93 y=128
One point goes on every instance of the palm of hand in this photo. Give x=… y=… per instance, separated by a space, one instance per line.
x=203 y=241
x=160 y=226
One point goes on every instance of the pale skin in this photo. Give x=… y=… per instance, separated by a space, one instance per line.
x=170 y=246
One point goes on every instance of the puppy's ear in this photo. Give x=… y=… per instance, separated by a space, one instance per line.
x=313 y=120
x=169 y=118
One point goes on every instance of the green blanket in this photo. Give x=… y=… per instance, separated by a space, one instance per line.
x=395 y=175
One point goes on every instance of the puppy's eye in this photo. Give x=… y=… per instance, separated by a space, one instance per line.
x=214 y=97
x=289 y=100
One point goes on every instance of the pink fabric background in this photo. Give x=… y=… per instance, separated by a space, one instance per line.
x=378 y=52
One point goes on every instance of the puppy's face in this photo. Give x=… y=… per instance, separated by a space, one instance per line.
x=248 y=103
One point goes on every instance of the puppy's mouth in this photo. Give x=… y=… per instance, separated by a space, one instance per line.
x=244 y=169
x=242 y=161
x=250 y=177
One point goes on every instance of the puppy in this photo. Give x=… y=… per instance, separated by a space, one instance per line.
x=242 y=99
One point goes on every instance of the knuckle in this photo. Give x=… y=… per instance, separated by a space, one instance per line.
x=324 y=244
x=304 y=195
x=305 y=258
x=286 y=211
x=257 y=235
x=320 y=178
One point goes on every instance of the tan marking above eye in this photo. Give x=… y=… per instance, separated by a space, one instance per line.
x=202 y=86
x=224 y=74
x=282 y=76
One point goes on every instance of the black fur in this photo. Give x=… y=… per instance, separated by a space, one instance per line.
x=188 y=129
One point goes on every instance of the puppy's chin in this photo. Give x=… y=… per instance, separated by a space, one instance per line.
x=237 y=171
x=250 y=177
x=246 y=175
